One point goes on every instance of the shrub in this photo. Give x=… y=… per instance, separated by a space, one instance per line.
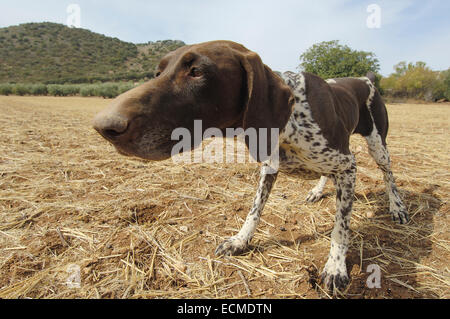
x=88 y=90
x=63 y=89
x=6 y=89
x=415 y=81
x=21 y=89
x=38 y=89
x=70 y=89
x=445 y=80
x=55 y=90
x=123 y=87
x=108 y=90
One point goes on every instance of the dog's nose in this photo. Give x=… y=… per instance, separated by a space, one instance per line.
x=110 y=126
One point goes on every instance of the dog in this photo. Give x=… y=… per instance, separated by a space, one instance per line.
x=226 y=85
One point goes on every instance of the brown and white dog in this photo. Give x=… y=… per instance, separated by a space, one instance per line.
x=227 y=86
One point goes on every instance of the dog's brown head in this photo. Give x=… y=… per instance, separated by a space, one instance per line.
x=220 y=82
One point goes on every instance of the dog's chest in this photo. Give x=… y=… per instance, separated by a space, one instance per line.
x=304 y=150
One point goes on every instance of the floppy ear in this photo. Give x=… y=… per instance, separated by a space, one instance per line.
x=268 y=105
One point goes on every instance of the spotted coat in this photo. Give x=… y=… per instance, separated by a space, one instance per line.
x=304 y=151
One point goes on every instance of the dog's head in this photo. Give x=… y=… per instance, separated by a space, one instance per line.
x=221 y=83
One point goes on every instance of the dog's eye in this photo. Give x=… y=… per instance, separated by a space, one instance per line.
x=195 y=72
x=157 y=74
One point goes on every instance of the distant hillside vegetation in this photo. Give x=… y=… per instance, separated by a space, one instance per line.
x=54 y=53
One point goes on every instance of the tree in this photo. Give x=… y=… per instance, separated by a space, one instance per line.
x=329 y=59
x=443 y=88
x=447 y=84
x=416 y=80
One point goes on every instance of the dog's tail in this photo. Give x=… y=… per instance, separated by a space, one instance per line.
x=377 y=108
x=374 y=114
x=371 y=76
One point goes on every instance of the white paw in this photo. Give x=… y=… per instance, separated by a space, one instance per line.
x=334 y=275
x=314 y=195
x=231 y=247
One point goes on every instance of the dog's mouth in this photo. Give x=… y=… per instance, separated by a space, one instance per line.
x=147 y=151
x=140 y=141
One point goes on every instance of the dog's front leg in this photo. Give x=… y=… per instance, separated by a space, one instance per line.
x=235 y=245
x=335 y=271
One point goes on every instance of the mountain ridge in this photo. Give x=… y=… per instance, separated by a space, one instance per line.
x=48 y=52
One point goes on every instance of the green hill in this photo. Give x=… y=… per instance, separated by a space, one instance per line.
x=54 y=53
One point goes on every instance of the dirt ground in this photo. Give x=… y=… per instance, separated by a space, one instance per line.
x=78 y=220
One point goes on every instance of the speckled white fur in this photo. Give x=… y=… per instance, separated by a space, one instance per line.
x=304 y=151
x=316 y=193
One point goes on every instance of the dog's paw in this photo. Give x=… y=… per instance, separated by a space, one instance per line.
x=231 y=247
x=333 y=282
x=334 y=277
x=400 y=215
x=314 y=196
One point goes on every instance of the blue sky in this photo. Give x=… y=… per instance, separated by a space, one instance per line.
x=279 y=30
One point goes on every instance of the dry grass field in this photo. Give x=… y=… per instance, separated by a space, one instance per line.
x=139 y=229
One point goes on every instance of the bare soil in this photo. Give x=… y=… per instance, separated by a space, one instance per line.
x=137 y=229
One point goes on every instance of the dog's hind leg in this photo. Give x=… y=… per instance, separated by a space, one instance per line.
x=376 y=141
x=378 y=150
x=317 y=192
x=235 y=245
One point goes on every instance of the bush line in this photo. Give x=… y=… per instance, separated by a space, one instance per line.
x=105 y=90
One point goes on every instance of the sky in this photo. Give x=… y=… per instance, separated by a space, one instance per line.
x=278 y=30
